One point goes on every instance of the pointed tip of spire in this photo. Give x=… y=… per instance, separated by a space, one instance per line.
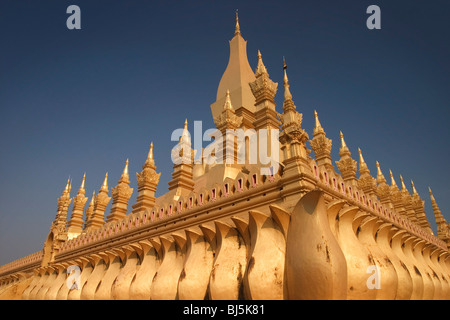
x=343 y=144
x=361 y=159
x=125 y=170
x=393 y=183
x=414 y=191
x=185 y=124
x=379 y=172
x=237 y=29
x=317 y=122
x=83 y=182
x=403 y=184
x=227 y=105
x=105 y=183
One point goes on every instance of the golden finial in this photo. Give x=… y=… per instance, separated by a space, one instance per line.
x=260 y=68
x=403 y=184
x=67 y=188
x=287 y=92
x=361 y=159
x=317 y=122
x=125 y=170
x=380 y=176
x=237 y=29
x=105 y=184
x=414 y=191
x=92 y=203
x=83 y=182
x=227 y=105
x=392 y=178
x=431 y=194
x=150 y=153
x=343 y=145
x=124 y=177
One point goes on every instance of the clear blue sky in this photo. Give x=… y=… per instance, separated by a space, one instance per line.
x=75 y=101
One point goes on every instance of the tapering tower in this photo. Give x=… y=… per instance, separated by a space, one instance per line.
x=58 y=231
x=264 y=90
x=236 y=79
x=183 y=158
x=89 y=211
x=383 y=189
x=346 y=165
x=366 y=182
x=397 y=197
x=407 y=202
x=419 y=207
x=101 y=201
x=443 y=231
x=75 y=224
x=321 y=145
x=292 y=137
x=147 y=181
x=120 y=195
x=228 y=121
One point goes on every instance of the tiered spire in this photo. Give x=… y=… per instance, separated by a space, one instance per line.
x=293 y=138
x=58 y=232
x=419 y=207
x=228 y=120
x=101 y=201
x=383 y=189
x=407 y=202
x=75 y=224
x=443 y=231
x=63 y=205
x=321 y=146
x=346 y=165
x=89 y=211
x=366 y=182
x=120 y=194
x=236 y=78
x=264 y=90
x=183 y=158
x=147 y=181
x=397 y=197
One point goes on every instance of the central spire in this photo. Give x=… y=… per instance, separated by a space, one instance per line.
x=236 y=78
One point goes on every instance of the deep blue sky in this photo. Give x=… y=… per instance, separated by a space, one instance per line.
x=75 y=101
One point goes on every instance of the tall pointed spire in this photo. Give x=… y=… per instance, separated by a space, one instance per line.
x=120 y=195
x=366 y=182
x=383 y=189
x=147 y=181
x=89 y=211
x=287 y=92
x=414 y=191
x=150 y=161
x=237 y=29
x=82 y=183
x=101 y=201
x=125 y=177
x=75 y=224
x=346 y=165
x=228 y=105
x=380 y=176
x=321 y=146
x=317 y=125
x=238 y=74
x=441 y=223
x=105 y=183
x=393 y=183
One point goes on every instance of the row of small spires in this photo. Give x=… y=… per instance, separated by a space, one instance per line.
x=131 y=222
